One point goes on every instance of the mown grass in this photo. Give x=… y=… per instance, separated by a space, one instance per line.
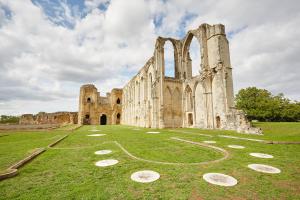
x=68 y=171
x=14 y=146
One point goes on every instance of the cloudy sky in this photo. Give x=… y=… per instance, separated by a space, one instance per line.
x=48 y=48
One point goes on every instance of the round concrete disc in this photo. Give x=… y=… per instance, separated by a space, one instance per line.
x=105 y=163
x=264 y=168
x=220 y=179
x=94 y=130
x=103 y=152
x=209 y=142
x=261 y=155
x=236 y=146
x=145 y=176
x=96 y=135
x=153 y=132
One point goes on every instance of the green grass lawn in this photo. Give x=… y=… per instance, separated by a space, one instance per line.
x=14 y=146
x=67 y=171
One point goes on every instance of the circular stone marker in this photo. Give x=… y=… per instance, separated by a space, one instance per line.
x=261 y=155
x=236 y=146
x=145 y=176
x=103 y=152
x=220 y=179
x=209 y=142
x=153 y=132
x=96 y=135
x=105 y=163
x=94 y=130
x=264 y=168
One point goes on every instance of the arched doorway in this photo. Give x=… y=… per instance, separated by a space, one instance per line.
x=218 y=121
x=103 y=119
x=118 y=118
x=86 y=119
x=190 y=119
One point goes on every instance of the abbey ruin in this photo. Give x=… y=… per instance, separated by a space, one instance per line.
x=153 y=100
x=49 y=118
x=95 y=109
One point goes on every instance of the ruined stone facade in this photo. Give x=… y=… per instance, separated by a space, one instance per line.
x=151 y=99
x=49 y=118
x=96 y=109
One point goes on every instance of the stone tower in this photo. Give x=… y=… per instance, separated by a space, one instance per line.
x=95 y=109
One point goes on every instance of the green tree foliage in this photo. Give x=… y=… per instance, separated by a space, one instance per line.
x=261 y=105
x=5 y=119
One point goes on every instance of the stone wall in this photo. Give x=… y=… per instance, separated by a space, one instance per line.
x=95 y=109
x=49 y=118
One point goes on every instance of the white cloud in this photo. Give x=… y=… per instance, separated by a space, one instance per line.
x=43 y=64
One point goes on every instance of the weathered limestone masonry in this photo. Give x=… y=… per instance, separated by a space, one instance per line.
x=151 y=99
x=95 y=109
x=49 y=118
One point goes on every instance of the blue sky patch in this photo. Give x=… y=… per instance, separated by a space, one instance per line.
x=185 y=20
x=6 y=10
x=234 y=32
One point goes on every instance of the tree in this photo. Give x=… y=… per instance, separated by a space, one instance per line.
x=5 y=119
x=260 y=104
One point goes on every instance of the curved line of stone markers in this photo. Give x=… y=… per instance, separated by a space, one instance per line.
x=225 y=153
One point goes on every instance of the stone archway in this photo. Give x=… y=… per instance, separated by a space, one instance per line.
x=118 y=118
x=218 y=122
x=103 y=119
x=186 y=57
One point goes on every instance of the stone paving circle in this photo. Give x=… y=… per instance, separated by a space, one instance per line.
x=106 y=163
x=103 y=152
x=236 y=146
x=264 y=168
x=209 y=142
x=261 y=155
x=219 y=179
x=145 y=176
x=96 y=135
x=153 y=132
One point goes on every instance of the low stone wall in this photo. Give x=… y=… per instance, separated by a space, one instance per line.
x=49 y=118
x=13 y=170
x=57 y=141
x=28 y=127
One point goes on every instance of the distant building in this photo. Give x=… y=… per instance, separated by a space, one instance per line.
x=96 y=109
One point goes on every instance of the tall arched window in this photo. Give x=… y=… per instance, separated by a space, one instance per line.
x=118 y=101
x=195 y=55
x=169 y=59
x=188 y=99
x=191 y=56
